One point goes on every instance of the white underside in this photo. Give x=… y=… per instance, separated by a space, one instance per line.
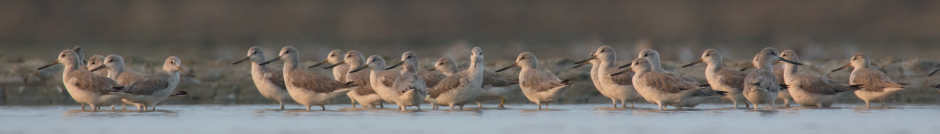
x=869 y=96
x=310 y=98
x=271 y=91
x=544 y=97
x=814 y=100
x=366 y=100
x=149 y=100
x=733 y=94
x=91 y=98
x=680 y=99
x=759 y=96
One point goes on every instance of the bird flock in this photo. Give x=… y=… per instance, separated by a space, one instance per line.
x=369 y=82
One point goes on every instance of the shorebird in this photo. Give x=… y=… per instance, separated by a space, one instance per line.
x=721 y=78
x=268 y=80
x=81 y=56
x=784 y=94
x=760 y=86
x=154 y=88
x=617 y=87
x=494 y=85
x=665 y=89
x=306 y=87
x=463 y=87
x=653 y=57
x=410 y=86
x=83 y=85
x=539 y=86
x=95 y=61
x=339 y=72
x=877 y=85
x=115 y=70
x=430 y=78
x=808 y=90
x=366 y=95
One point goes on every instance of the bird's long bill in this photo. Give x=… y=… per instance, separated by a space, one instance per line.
x=622 y=72
x=394 y=66
x=693 y=63
x=47 y=66
x=625 y=66
x=843 y=67
x=272 y=60
x=791 y=62
x=747 y=67
x=433 y=69
x=334 y=65
x=583 y=62
x=510 y=66
x=321 y=63
x=243 y=60
x=184 y=72
x=97 y=68
x=359 y=69
x=934 y=72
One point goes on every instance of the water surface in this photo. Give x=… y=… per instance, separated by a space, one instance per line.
x=582 y=118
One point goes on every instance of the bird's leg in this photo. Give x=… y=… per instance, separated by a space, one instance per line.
x=308 y=108
x=883 y=103
x=786 y=102
x=540 y=105
x=546 y=105
x=451 y=106
x=461 y=106
x=154 y=107
x=631 y=105
x=746 y=105
x=124 y=106
x=756 y=107
x=83 y=106
x=735 y=104
x=624 y=102
x=660 y=106
x=867 y=105
x=612 y=100
x=381 y=105
x=112 y=107
x=322 y=107
x=93 y=107
x=479 y=104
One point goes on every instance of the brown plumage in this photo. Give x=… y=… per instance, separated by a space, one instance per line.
x=733 y=78
x=318 y=83
x=362 y=78
x=543 y=81
x=127 y=77
x=626 y=78
x=149 y=84
x=819 y=85
x=874 y=80
x=668 y=83
x=275 y=75
x=450 y=83
x=88 y=81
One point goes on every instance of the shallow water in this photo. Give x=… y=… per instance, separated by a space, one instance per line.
x=582 y=118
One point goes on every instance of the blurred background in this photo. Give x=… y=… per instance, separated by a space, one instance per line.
x=903 y=35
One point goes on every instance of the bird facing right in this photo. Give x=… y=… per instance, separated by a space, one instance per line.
x=811 y=91
x=760 y=86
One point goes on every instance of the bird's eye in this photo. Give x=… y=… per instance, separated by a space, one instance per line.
x=440 y=63
x=373 y=59
x=256 y=52
x=854 y=58
x=707 y=54
x=644 y=55
x=783 y=55
x=772 y=53
x=110 y=60
x=409 y=57
x=602 y=51
x=62 y=55
x=331 y=55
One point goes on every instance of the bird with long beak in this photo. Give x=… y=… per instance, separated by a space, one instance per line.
x=616 y=87
x=721 y=78
x=113 y=66
x=430 y=78
x=366 y=95
x=306 y=87
x=812 y=91
x=268 y=80
x=666 y=89
x=157 y=87
x=463 y=87
x=96 y=61
x=539 y=86
x=83 y=85
x=410 y=86
x=494 y=85
x=784 y=94
x=760 y=86
x=878 y=86
x=340 y=70
x=653 y=56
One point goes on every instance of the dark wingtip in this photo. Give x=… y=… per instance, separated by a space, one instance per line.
x=784 y=86
x=705 y=85
x=566 y=82
x=937 y=86
x=721 y=92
